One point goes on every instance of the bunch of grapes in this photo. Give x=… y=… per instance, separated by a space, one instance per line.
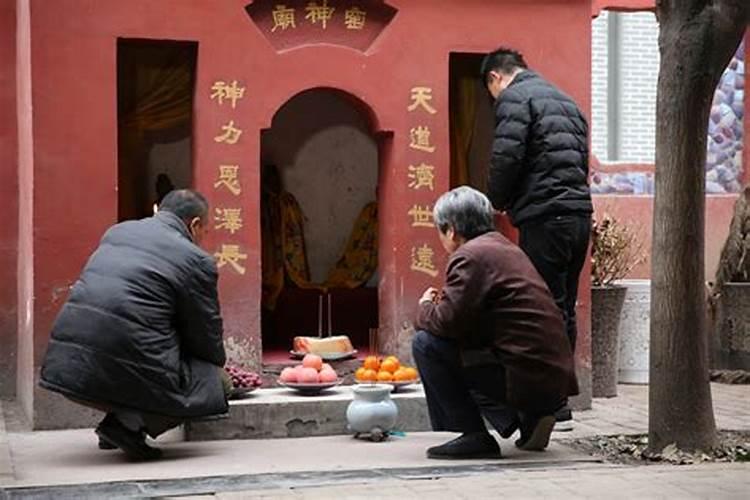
x=243 y=379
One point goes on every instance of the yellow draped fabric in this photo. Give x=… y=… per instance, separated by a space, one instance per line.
x=162 y=96
x=462 y=127
x=272 y=256
x=285 y=256
x=360 y=259
x=293 y=242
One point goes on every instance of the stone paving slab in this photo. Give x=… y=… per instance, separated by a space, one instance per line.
x=628 y=412
x=6 y=465
x=71 y=457
x=707 y=481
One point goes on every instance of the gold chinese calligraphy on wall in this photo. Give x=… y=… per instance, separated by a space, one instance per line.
x=421 y=173
x=228 y=220
x=288 y=24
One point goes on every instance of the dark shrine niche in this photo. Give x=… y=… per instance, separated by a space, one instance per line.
x=291 y=24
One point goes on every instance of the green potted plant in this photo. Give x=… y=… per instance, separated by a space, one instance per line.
x=615 y=251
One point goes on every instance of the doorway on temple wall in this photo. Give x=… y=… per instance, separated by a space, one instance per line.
x=155 y=89
x=319 y=222
x=472 y=121
x=472 y=128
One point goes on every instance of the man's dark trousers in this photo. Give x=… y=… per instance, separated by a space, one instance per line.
x=558 y=247
x=460 y=388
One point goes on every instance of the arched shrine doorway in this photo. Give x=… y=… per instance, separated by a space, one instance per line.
x=319 y=226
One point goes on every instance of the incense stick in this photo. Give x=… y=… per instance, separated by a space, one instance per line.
x=320 y=315
x=330 y=319
x=373 y=341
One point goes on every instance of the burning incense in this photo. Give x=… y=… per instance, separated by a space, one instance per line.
x=320 y=315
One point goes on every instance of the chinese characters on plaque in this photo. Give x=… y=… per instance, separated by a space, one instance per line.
x=228 y=219
x=318 y=13
x=421 y=176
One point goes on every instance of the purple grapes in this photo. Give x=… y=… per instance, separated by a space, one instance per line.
x=243 y=379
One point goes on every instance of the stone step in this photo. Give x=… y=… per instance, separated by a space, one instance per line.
x=282 y=413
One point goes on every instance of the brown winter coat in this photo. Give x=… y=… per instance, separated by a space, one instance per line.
x=494 y=298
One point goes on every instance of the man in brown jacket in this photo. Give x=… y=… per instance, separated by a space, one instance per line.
x=492 y=342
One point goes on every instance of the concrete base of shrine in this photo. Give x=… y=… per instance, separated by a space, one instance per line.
x=282 y=413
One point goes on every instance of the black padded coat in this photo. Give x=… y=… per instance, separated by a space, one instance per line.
x=141 y=328
x=540 y=155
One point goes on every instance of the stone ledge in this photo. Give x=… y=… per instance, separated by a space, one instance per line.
x=6 y=465
x=281 y=413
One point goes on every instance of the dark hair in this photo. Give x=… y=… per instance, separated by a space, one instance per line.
x=163 y=187
x=185 y=204
x=504 y=60
x=466 y=210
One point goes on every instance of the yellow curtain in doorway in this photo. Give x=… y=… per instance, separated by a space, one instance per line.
x=462 y=127
x=163 y=96
x=293 y=242
x=272 y=254
x=285 y=254
x=155 y=93
x=360 y=259
x=353 y=269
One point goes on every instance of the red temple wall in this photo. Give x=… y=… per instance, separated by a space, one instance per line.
x=8 y=198
x=74 y=138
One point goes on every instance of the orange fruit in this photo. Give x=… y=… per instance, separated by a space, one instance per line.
x=371 y=363
x=411 y=373
x=394 y=360
x=384 y=376
x=389 y=365
x=369 y=375
x=401 y=375
x=360 y=373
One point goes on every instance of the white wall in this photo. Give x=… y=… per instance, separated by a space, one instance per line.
x=639 y=73
x=637 y=66
x=328 y=160
x=599 y=86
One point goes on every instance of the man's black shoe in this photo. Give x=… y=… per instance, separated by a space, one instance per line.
x=103 y=443
x=106 y=445
x=133 y=443
x=508 y=431
x=467 y=446
x=564 y=419
x=535 y=433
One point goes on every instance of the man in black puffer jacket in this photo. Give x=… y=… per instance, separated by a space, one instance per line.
x=140 y=336
x=539 y=175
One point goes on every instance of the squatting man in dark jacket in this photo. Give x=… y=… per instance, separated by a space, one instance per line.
x=140 y=336
x=539 y=175
x=492 y=342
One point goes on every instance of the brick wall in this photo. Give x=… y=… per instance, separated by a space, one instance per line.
x=639 y=69
x=599 y=58
x=637 y=61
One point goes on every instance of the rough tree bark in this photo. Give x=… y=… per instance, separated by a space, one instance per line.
x=697 y=40
x=734 y=263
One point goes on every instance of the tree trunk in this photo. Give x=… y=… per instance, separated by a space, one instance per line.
x=697 y=40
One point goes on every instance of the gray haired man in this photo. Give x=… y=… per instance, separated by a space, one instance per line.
x=492 y=341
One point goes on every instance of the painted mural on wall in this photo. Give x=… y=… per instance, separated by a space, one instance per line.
x=724 y=169
x=725 y=134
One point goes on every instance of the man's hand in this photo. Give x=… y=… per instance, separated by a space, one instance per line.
x=430 y=295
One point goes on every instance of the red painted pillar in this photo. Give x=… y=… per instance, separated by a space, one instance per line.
x=8 y=199
x=237 y=253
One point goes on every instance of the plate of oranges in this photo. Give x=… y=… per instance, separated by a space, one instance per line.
x=388 y=370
